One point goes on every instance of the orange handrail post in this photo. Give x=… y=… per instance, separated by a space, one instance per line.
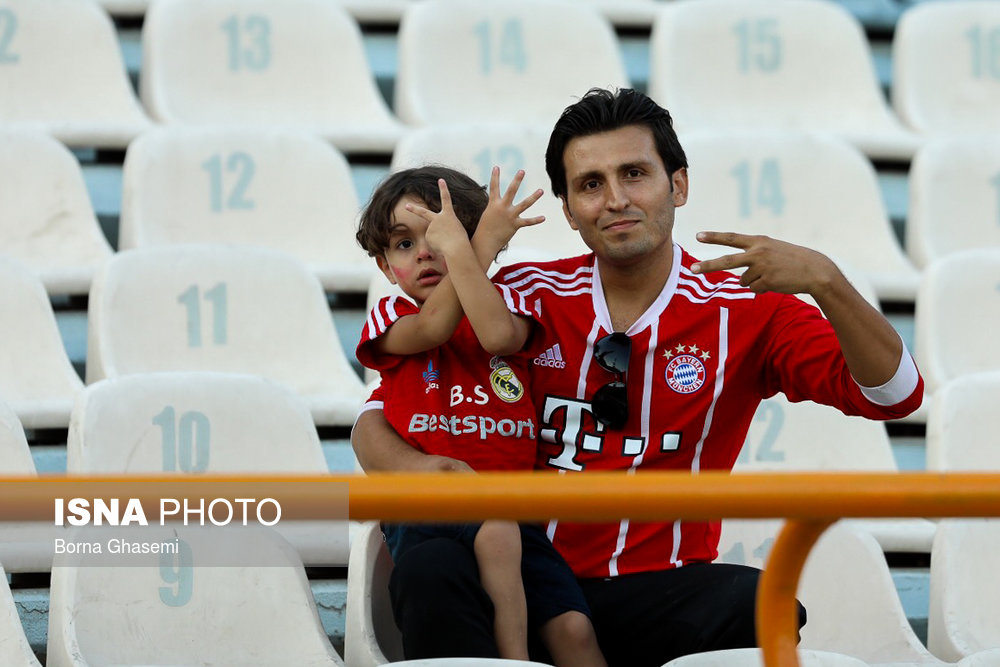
x=778 y=636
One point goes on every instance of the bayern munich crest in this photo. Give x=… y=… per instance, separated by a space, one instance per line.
x=685 y=374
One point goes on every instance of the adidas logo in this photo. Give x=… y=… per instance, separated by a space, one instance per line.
x=551 y=358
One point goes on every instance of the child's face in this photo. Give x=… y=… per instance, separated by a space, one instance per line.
x=408 y=261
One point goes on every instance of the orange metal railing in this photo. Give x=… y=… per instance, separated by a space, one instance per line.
x=810 y=502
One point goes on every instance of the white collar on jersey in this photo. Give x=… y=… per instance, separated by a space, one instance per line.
x=655 y=309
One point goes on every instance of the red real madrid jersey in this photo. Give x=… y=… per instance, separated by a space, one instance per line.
x=456 y=400
x=703 y=356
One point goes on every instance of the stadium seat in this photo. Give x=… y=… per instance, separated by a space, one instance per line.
x=294 y=63
x=987 y=658
x=962 y=615
x=221 y=308
x=954 y=196
x=963 y=422
x=46 y=219
x=14 y=648
x=370 y=634
x=475 y=149
x=248 y=602
x=846 y=587
x=766 y=64
x=15 y=456
x=276 y=188
x=36 y=378
x=810 y=189
x=751 y=657
x=946 y=67
x=501 y=60
x=62 y=72
x=25 y=546
x=807 y=436
x=204 y=422
x=957 y=316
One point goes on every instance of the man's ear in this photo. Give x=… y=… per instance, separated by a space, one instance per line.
x=383 y=265
x=679 y=181
x=569 y=216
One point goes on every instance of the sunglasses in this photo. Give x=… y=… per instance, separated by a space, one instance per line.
x=610 y=403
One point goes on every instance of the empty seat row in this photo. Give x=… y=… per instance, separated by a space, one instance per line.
x=714 y=63
x=222 y=308
x=292 y=191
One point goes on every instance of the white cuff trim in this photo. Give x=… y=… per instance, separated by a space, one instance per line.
x=899 y=387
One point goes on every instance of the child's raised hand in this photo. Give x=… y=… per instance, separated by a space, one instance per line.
x=502 y=217
x=444 y=232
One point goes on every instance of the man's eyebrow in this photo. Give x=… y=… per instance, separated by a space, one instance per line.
x=593 y=173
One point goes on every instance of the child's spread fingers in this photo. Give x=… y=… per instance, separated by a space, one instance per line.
x=527 y=202
x=515 y=184
x=495 y=183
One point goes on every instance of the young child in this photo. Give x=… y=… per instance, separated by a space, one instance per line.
x=453 y=376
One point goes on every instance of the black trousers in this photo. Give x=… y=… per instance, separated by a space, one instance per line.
x=640 y=619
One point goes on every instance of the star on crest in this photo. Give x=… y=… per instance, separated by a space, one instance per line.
x=680 y=349
x=693 y=349
x=668 y=353
x=705 y=355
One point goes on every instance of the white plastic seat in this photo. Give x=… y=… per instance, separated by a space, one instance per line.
x=36 y=378
x=370 y=633
x=276 y=188
x=298 y=63
x=62 y=72
x=751 y=657
x=962 y=616
x=475 y=148
x=807 y=436
x=15 y=651
x=25 y=546
x=945 y=68
x=810 y=189
x=954 y=197
x=766 y=64
x=46 y=219
x=501 y=60
x=252 y=605
x=963 y=422
x=957 y=316
x=846 y=587
x=204 y=422
x=221 y=308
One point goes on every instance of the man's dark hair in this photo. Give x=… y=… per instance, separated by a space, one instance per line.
x=468 y=198
x=603 y=110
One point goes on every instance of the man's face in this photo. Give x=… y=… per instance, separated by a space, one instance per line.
x=619 y=195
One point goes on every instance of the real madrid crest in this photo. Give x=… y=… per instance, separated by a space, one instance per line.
x=504 y=382
x=685 y=372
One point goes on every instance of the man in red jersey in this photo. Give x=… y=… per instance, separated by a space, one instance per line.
x=653 y=361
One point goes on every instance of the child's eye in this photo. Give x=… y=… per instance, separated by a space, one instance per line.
x=404 y=244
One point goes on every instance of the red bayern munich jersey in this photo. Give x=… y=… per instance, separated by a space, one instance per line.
x=456 y=400
x=717 y=350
